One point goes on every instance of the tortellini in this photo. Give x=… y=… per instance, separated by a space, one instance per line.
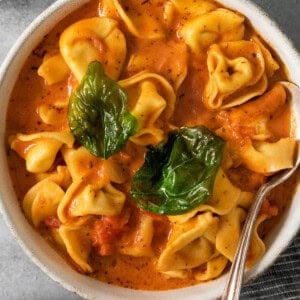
x=40 y=149
x=141 y=244
x=83 y=165
x=60 y=176
x=188 y=247
x=229 y=234
x=266 y=158
x=147 y=110
x=93 y=39
x=202 y=245
x=80 y=162
x=220 y=25
x=257 y=247
x=152 y=98
x=271 y=64
x=52 y=114
x=214 y=268
x=75 y=238
x=140 y=23
x=188 y=8
x=92 y=191
x=108 y=9
x=53 y=69
x=42 y=200
x=236 y=74
x=86 y=199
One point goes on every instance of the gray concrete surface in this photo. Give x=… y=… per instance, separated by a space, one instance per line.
x=19 y=277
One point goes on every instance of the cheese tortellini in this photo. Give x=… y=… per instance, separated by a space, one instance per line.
x=152 y=98
x=92 y=191
x=83 y=200
x=42 y=200
x=142 y=240
x=188 y=247
x=220 y=25
x=85 y=41
x=40 y=149
x=139 y=22
x=228 y=235
x=265 y=157
x=236 y=74
x=53 y=69
x=52 y=114
x=202 y=245
x=74 y=238
x=93 y=39
x=189 y=8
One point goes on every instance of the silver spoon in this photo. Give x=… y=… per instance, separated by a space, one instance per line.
x=233 y=287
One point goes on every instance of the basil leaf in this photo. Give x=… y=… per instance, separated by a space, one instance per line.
x=98 y=115
x=178 y=174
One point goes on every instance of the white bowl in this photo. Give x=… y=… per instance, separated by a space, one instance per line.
x=34 y=245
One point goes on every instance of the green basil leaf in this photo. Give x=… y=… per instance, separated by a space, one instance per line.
x=179 y=174
x=98 y=115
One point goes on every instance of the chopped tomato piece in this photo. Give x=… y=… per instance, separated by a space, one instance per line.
x=268 y=209
x=107 y=231
x=52 y=222
x=106 y=249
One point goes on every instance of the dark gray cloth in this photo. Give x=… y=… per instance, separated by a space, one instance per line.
x=281 y=281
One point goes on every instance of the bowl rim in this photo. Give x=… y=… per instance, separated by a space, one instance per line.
x=35 y=246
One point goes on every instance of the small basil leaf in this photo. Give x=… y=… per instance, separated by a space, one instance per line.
x=98 y=115
x=178 y=174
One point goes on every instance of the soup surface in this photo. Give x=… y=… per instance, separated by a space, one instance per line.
x=138 y=134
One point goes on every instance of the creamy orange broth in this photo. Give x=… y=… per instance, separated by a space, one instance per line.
x=31 y=91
